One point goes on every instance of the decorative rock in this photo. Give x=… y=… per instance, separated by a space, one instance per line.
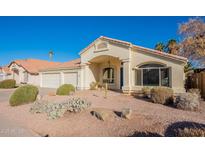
x=126 y=113
x=101 y=115
x=39 y=97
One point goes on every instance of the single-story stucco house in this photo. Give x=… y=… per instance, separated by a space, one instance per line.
x=27 y=71
x=121 y=64
x=5 y=73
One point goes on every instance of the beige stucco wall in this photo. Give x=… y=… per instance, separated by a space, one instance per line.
x=177 y=68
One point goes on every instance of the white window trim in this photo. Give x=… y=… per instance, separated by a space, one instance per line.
x=159 y=68
x=102 y=49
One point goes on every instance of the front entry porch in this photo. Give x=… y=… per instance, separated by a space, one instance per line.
x=107 y=69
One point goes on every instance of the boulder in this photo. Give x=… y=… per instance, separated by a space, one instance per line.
x=126 y=113
x=100 y=114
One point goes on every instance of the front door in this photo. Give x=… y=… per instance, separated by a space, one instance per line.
x=121 y=77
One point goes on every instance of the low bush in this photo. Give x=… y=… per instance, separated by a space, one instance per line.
x=23 y=95
x=191 y=132
x=162 y=95
x=65 y=89
x=146 y=91
x=57 y=110
x=9 y=83
x=187 y=101
x=93 y=85
x=195 y=91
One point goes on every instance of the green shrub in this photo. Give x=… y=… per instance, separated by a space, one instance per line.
x=162 y=95
x=93 y=85
x=23 y=95
x=9 y=83
x=65 y=89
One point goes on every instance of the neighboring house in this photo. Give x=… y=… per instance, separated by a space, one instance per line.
x=5 y=73
x=121 y=64
x=27 y=71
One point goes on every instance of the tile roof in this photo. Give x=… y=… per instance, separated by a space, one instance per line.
x=34 y=65
x=5 y=69
x=70 y=64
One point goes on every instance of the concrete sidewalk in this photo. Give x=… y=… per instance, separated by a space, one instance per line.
x=12 y=129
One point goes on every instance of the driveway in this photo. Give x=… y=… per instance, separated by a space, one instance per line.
x=6 y=93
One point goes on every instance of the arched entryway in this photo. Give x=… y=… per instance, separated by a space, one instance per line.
x=107 y=69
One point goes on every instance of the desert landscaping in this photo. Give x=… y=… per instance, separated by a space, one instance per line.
x=147 y=118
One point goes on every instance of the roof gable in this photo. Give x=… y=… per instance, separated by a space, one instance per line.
x=129 y=44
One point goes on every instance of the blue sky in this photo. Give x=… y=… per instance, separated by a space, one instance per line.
x=33 y=37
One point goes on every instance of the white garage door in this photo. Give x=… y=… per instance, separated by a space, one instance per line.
x=51 y=80
x=1 y=77
x=71 y=78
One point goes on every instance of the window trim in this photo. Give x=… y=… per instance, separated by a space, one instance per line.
x=101 y=49
x=160 y=77
x=111 y=75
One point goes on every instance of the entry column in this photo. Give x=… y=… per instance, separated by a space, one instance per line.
x=126 y=75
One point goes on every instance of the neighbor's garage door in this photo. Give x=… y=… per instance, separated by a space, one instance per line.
x=71 y=78
x=1 y=76
x=51 y=80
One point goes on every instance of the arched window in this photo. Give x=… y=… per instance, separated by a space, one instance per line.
x=108 y=75
x=102 y=45
x=152 y=74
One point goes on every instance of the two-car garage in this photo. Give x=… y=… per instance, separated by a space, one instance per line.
x=54 y=80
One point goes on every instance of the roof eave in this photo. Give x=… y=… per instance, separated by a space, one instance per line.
x=59 y=68
x=167 y=55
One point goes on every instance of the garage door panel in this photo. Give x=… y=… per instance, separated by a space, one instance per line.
x=51 y=80
x=71 y=78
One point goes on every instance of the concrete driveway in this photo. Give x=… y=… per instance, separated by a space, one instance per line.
x=6 y=93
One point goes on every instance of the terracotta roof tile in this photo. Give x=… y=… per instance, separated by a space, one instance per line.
x=5 y=69
x=70 y=64
x=34 y=65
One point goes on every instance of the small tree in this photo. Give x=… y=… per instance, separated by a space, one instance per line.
x=160 y=46
x=172 y=47
x=51 y=53
x=193 y=39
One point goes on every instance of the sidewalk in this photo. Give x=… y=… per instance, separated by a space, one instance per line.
x=11 y=129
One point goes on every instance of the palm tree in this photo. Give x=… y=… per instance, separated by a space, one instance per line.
x=51 y=53
x=172 y=47
x=160 y=46
x=189 y=66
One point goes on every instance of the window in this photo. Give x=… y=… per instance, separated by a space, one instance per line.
x=108 y=75
x=25 y=77
x=102 y=45
x=152 y=75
